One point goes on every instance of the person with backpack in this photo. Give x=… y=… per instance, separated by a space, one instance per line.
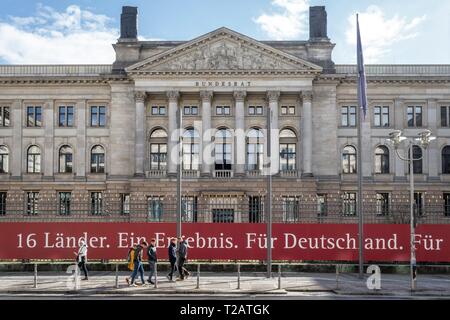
x=172 y=251
x=182 y=258
x=130 y=260
x=82 y=258
x=138 y=266
x=152 y=259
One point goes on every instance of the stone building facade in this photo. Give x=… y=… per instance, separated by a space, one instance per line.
x=96 y=142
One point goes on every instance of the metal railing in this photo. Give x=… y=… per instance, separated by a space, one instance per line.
x=219 y=210
x=54 y=70
x=397 y=70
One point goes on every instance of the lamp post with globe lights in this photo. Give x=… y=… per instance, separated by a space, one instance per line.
x=423 y=140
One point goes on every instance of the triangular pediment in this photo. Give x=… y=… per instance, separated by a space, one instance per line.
x=223 y=50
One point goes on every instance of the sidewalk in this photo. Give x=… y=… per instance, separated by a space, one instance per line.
x=104 y=283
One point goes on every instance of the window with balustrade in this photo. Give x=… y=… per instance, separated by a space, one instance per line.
x=191 y=140
x=418 y=160
x=446 y=160
x=97 y=159
x=255 y=150
x=382 y=160
x=4 y=159
x=222 y=149
x=64 y=203
x=349 y=160
x=34 y=159
x=65 y=159
x=288 y=147
x=158 y=150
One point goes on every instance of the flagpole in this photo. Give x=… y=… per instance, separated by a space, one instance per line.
x=362 y=103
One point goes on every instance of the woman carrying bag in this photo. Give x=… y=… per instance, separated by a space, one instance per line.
x=82 y=258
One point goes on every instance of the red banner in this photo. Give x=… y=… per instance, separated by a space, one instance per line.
x=210 y=241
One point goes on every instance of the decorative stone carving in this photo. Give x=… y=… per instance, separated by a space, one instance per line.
x=225 y=54
x=206 y=95
x=273 y=96
x=306 y=95
x=173 y=95
x=239 y=95
x=140 y=96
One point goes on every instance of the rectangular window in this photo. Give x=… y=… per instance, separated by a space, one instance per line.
x=414 y=116
x=158 y=110
x=189 y=209
x=32 y=203
x=382 y=204
x=349 y=204
x=445 y=115
x=255 y=110
x=418 y=204
x=223 y=110
x=64 y=203
x=255 y=209
x=3 y=196
x=65 y=116
x=381 y=116
x=322 y=208
x=291 y=209
x=98 y=116
x=125 y=204
x=288 y=110
x=447 y=204
x=4 y=117
x=190 y=110
x=348 y=116
x=155 y=110
x=34 y=116
x=223 y=215
x=96 y=203
x=155 y=208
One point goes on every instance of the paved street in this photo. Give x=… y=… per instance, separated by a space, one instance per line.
x=222 y=286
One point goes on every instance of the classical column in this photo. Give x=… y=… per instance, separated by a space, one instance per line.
x=49 y=136
x=80 y=163
x=206 y=97
x=173 y=155
x=17 y=150
x=139 y=149
x=399 y=118
x=239 y=127
x=432 y=161
x=307 y=133
x=273 y=98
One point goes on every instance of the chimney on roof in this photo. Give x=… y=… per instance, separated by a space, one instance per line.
x=128 y=23
x=318 y=23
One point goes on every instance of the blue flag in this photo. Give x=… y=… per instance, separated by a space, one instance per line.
x=362 y=84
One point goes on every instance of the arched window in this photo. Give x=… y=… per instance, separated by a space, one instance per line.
x=288 y=147
x=34 y=159
x=382 y=160
x=222 y=149
x=65 y=159
x=97 y=159
x=190 y=149
x=446 y=160
x=349 y=160
x=417 y=164
x=4 y=159
x=255 y=149
x=158 y=150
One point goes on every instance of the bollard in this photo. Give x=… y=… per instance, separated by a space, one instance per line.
x=198 y=276
x=337 y=277
x=117 y=276
x=77 y=277
x=279 y=276
x=239 y=276
x=35 y=276
x=156 y=275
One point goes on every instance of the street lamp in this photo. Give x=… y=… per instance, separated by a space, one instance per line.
x=424 y=139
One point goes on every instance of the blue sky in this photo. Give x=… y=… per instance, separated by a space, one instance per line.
x=82 y=31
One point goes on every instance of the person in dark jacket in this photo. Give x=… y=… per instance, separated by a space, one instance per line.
x=138 y=266
x=152 y=259
x=182 y=258
x=172 y=251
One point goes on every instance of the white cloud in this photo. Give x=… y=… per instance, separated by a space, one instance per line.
x=379 y=33
x=289 y=24
x=52 y=37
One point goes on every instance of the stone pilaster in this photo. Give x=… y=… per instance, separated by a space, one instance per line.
x=273 y=99
x=432 y=161
x=49 y=148
x=81 y=158
x=206 y=97
x=306 y=125
x=17 y=148
x=239 y=163
x=173 y=135
x=139 y=151
x=399 y=118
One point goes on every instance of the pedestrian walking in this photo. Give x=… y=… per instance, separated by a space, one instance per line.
x=82 y=257
x=152 y=259
x=130 y=260
x=172 y=251
x=182 y=258
x=138 y=266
